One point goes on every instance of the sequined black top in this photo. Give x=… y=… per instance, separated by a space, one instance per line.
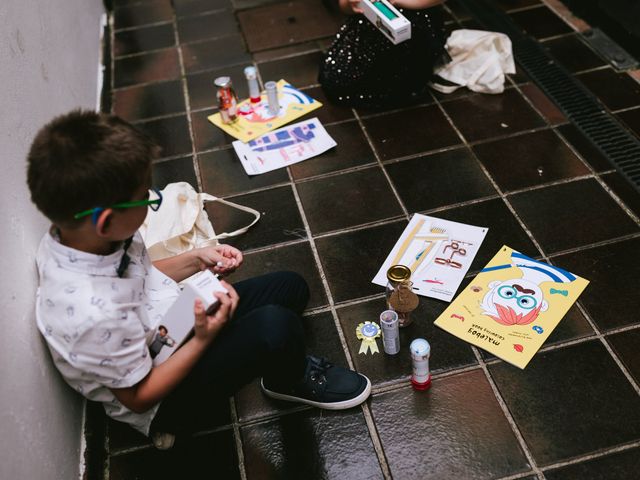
x=363 y=68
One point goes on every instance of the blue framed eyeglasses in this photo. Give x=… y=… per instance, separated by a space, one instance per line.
x=153 y=204
x=524 y=301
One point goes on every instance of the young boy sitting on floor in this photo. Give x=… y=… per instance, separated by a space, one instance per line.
x=101 y=300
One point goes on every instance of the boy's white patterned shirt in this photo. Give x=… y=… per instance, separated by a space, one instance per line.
x=98 y=326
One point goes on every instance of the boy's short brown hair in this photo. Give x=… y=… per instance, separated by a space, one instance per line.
x=85 y=159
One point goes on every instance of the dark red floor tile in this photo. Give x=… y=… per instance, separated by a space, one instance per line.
x=222 y=174
x=573 y=54
x=615 y=90
x=585 y=148
x=439 y=179
x=194 y=458
x=206 y=134
x=297 y=258
x=529 y=160
x=480 y=117
x=302 y=445
x=174 y=170
x=615 y=466
x=508 y=5
x=540 y=22
x=631 y=118
x=281 y=220
x=147 y=101
x=172 y=134
x=194 y=7
x=287 y=23
x=352 y=150
x=140 y=40
x=543 y=104
x=409 y=132
x=624 y=190
x=215 y=54
x=347 y=200
x=300 y=71
x=456 y=429
x=625 y=345
x=583 y=416
x=351 y=260
x=560 y=218
x=611 y=299
x=128 y=16
x=146 y=68
x=328 y=113
x=288 y=51
x=207 y=26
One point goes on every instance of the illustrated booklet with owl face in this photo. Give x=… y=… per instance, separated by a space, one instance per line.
x=511 y=307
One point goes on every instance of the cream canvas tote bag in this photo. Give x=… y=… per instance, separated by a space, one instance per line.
x=479 y=61
x=182 y=224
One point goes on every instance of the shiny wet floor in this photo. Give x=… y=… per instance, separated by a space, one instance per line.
x=510 y=162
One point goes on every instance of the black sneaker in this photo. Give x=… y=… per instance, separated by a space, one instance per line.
x=325 y=386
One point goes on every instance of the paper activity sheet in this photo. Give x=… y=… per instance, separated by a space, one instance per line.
x=438 y=252
x=285 y=146
x=255 y=119
x=511 y=307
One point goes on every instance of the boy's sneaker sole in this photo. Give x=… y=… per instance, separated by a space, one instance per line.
x=352 y=402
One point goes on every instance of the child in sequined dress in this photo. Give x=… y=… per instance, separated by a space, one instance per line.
x=362 y=68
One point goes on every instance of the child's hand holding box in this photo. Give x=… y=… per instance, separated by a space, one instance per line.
x=180 y=317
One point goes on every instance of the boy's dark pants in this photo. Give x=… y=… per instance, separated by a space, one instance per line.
x=264 y=338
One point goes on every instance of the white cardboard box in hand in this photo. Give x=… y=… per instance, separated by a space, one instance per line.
x=386 y=18
x=179 y=319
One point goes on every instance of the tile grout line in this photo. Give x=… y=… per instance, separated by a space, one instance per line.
x=546 y=257
x=605 y=342
x=593 y=456
x=598 y=334
x=487 y=374
x=234 y=414
x=406 y=214
x=598 y=178
x=185 y=93
x=507 y=413
x=377 y=444
x=237 y=438
x=589 y=246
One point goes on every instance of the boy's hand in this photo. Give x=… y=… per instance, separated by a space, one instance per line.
x=221 y=259
x=206 y=327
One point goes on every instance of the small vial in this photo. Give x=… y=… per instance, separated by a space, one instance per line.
x=420 y=353
x=227 y=100
x=252 y=81
x=390 y=332
x=272 y=97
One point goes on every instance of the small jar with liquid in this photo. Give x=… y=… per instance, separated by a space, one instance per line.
x=399 y=293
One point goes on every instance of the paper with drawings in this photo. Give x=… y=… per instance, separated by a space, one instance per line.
x=283 y=147
x=438 y=252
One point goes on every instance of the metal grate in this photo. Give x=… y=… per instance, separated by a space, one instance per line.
x=580 y=106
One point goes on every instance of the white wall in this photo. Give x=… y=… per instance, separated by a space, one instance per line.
x=49 y=56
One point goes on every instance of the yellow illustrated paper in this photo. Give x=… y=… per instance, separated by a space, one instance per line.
x=254 y=119
x=511 y=307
